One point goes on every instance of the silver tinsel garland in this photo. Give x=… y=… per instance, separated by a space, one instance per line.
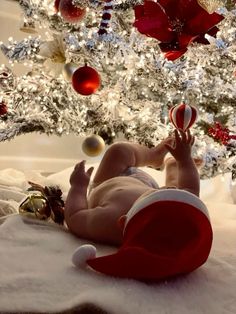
x=27 y=49
x=138 y=84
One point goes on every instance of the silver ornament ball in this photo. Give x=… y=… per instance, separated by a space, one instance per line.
x=68 y=70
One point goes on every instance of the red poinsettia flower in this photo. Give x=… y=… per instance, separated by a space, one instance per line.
x=176 y=24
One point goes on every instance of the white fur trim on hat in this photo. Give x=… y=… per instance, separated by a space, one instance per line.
x=82 y=254
x=167 y=195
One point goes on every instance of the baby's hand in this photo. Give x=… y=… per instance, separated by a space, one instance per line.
x=181 y=149
x=79 y=176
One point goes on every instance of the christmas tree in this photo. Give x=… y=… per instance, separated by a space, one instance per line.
x=116 y=67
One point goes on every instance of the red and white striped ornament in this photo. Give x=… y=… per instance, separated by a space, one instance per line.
x=106 y=16
x=183 y=116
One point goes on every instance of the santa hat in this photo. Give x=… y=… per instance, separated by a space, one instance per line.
x=166 y=233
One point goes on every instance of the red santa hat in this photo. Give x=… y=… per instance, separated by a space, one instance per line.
x=166 y=233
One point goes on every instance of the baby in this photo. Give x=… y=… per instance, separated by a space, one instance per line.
x=101 y=214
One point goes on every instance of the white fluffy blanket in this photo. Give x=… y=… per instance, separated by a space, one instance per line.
x=36 y=273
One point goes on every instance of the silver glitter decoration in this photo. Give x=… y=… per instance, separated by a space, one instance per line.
x=24 y=50
x=81 y=3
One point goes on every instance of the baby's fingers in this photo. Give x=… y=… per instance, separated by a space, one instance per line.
x=177 y=137
x=90 y=171
x=183 y=135
x=170 y=149
x=190 y=138
x=80 y=165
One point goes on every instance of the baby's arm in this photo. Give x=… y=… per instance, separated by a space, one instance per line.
x=76 y=201
x=77 y=196
x=90 y=223
x=188 y=177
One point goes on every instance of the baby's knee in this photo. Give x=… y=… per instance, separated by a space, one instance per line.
x=120 y=151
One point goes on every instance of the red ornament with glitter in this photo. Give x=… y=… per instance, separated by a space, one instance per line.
x=3 y=108
x=221 y=134
x=106 y=16
x=86 y=80
x=183 y=116
x=71 y=13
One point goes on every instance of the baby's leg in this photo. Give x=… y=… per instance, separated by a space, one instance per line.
x=123 y=155
x=171 y=173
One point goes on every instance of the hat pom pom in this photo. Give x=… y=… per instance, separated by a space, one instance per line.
x=82 y=254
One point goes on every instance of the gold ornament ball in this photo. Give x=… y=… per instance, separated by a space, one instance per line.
x=35 y=206
x=93 y=145
x=68 y=70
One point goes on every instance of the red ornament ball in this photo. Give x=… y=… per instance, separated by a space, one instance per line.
x=86 y=80
x=56 y=5
x=183 y=116
x=3 y=108
x=69 y=12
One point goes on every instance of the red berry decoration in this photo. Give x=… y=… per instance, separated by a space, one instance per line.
x=221 y=134
x=3 y=108
x=183 y=116
x=56 y=5
x=86 y=80
x=69 y=12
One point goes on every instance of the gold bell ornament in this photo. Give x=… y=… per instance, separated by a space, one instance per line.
x=44 y=203
x=68 y=70
x=93 y=145
x=35 y=206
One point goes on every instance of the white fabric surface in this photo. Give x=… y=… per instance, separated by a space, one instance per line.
x=37 y=275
